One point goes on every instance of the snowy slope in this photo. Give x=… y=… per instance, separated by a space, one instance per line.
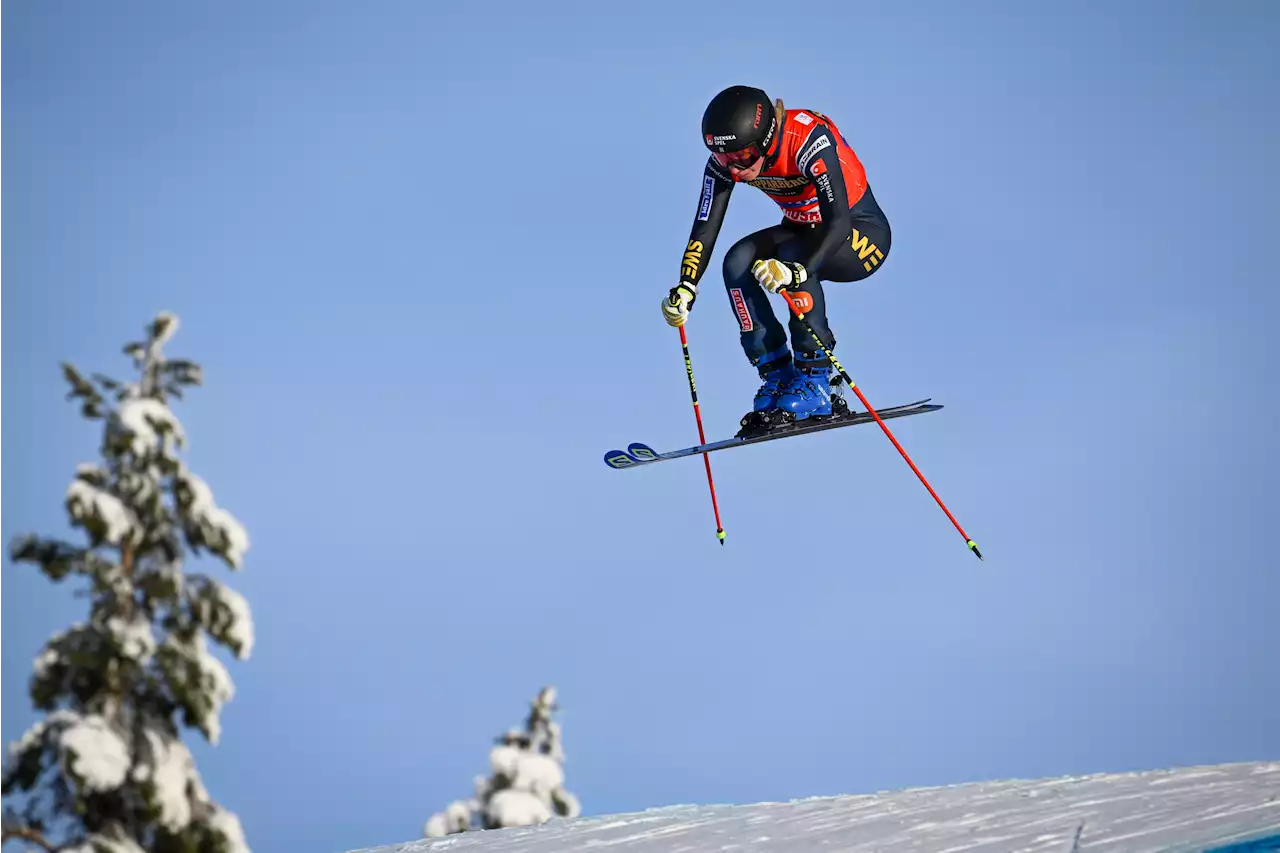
x=1182 y=810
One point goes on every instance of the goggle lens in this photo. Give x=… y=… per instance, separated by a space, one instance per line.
x=742 y=160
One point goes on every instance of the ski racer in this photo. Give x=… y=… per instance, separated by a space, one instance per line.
x=832 y=229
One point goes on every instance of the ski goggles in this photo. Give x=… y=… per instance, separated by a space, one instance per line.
x=742 y=159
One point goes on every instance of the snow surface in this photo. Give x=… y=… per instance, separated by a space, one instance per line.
x=1171 y=811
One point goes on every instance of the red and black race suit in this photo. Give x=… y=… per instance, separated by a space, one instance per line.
x=815 y=178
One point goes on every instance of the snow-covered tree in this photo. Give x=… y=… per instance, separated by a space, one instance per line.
x=106 y=771
x=526 y=787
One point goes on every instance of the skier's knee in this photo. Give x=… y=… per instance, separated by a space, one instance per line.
x=737 y=262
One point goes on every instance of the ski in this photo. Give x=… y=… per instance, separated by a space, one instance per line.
x=638 y=453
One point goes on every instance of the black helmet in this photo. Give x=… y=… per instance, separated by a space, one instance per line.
x=739 y=125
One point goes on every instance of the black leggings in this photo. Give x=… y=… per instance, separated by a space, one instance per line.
x=764 y=339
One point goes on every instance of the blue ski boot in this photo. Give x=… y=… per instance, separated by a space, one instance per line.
x=808 y=393
x=775 y=377
x=765 y=413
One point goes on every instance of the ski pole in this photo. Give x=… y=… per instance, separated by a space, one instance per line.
x=973 y=546
x=702 y=437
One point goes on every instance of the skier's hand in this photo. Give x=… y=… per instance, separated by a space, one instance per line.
x=775 y=275
x=676 y=305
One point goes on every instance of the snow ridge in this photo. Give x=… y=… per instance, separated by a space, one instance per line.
x=1184 y=810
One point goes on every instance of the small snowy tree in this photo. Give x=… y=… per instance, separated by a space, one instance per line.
x=106 y=771
x=526 y=787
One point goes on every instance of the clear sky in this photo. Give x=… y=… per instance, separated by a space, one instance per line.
x=419 y=250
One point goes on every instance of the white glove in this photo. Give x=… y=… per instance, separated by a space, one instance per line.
x=676 y=305
x=775 y=275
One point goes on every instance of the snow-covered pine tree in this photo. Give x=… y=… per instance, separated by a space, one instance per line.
x=106 y=770
x=526 y=787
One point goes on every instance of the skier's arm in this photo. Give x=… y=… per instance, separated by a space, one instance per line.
x=822 y=166
x=713 y=201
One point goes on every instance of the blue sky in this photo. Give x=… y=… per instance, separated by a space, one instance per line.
x=420 y=258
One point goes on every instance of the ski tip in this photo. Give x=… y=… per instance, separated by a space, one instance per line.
x=642 y=452
x=635 y=454
x=973 y=546
x=618 y=459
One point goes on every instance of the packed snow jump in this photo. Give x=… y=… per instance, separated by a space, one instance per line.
x=832 y=229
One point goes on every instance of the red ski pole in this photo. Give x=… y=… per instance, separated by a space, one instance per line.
x=702 y=437
x=973 y=546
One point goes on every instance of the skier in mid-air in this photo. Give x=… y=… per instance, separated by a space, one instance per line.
x=832 y=230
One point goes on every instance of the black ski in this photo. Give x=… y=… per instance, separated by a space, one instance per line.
x=641 y=454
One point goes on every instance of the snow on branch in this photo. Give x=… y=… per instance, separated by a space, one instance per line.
x=526 y=785
x=101 y=513
x=105 y=770
x=208 y=525
x=197 y=681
